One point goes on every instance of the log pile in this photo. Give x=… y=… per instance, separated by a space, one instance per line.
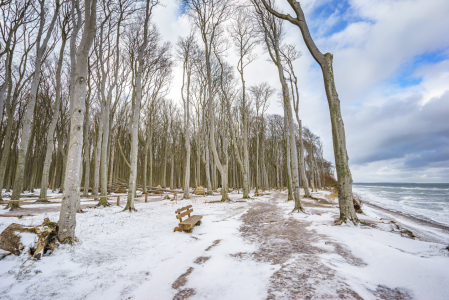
x=199 y=190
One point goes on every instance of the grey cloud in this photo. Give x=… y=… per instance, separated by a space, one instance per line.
x=401 y=129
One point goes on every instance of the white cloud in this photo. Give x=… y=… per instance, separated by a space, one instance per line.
x=369 y=55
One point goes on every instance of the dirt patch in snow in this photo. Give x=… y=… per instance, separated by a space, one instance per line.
x=286 y=241
x=179 y=283
x=184 y=294
x=216 y=242
x=384 y=292
x=201 y=260
x=182 y=279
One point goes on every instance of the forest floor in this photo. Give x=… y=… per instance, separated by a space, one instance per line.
x=255 y=249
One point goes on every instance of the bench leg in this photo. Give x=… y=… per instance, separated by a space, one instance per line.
x=177 y=229
x=198 y=223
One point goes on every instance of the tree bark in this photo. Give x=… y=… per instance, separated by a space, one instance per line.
x=67 y=217
x=51 y=129
x=27 y=123
x=345 y=197
x=136 y=112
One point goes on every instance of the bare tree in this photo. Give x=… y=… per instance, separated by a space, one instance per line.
x=242 y=33
x=272 y=31
x=187 y=49
x=344 y=176
x=64 y=26
x=71 y=194
x=41 y=48
x=150 y=4
x=261 y=94
x=208 y=17
x=289 y=54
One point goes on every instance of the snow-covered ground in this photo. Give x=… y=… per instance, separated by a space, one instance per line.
x=122 y=255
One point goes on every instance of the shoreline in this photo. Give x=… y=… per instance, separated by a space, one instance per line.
x=411 y=218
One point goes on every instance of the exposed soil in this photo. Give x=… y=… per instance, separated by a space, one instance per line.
x=216 y=242
x=182 y=279
x=286 y=241
x=201 y=260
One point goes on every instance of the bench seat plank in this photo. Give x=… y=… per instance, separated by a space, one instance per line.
x=190 y=222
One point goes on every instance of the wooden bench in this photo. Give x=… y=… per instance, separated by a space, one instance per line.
x=188 y=224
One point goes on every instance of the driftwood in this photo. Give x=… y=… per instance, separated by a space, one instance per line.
x=357 y=202
x=10 y=239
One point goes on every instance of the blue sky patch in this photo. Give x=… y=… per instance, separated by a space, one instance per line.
x=342 y=12
x=404 y=75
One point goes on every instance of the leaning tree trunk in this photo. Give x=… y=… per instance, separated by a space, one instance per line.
x=344 y=176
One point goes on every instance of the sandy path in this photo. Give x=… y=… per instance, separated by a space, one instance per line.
x=286 y=241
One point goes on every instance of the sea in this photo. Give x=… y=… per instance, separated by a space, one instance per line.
x=426 y=201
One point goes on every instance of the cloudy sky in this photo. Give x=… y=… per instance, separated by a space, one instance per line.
x=391 y=64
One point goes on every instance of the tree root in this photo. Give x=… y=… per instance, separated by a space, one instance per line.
x=12 y=205
x=340 y=221
x=313 y=198
x=130 y=209
x=103 y=203
x=45 y=201
x=298 y=209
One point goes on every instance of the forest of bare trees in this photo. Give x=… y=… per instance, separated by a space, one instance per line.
x=85 y=106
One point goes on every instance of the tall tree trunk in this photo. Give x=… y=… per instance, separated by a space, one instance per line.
x=96 y=187
x=344 y=176
x=86 y=146
x=164 y=171
x=187 y=132
x=257 y=161
x=51 y=129
x=145 y=164
x=207 y=161
x=67 y=217
x=288 y=162
x=151 y=157
x=136 y=113
x=7 y=138
x=27 y=123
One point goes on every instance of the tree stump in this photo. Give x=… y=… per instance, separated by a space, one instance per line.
x=11 y=239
